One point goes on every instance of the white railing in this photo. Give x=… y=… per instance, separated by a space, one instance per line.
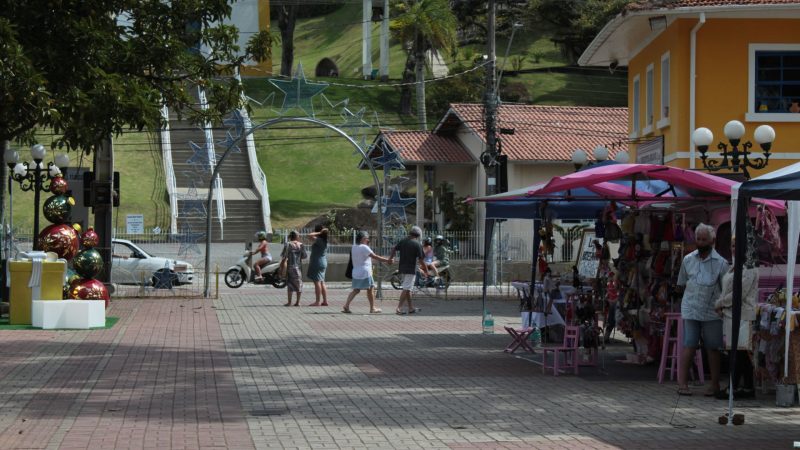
x=258 y=175
x=169 y=171
x=212 y=162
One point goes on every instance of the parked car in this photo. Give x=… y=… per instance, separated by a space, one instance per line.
x=131 y=265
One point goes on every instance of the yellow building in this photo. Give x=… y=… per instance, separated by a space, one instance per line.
x=250 y=17
x=691 y=65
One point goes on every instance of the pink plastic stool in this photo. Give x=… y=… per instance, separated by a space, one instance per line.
x=671 y=350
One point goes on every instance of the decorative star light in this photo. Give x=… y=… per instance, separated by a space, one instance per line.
x=395 y=204
x=354 y=122
x=192 y=208
x=199 y=159
x=363 y=146
x=335 y=106
x=235 y=121
x=191 y=192
x=229 y=142
x=236 y=124
x=188 y=241
x=298 y=92
x=389 y=160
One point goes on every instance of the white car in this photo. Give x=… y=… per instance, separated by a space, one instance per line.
x=132 y=265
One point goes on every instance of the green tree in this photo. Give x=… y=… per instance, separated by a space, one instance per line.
x=576 y=22
x=422 y=25
x=466 y=88
x=87 y=69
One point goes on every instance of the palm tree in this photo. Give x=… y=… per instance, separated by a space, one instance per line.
x=422 y=25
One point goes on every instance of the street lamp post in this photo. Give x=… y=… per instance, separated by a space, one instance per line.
x=33 y=176
x=739 y=152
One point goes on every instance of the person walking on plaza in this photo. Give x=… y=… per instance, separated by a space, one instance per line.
x=700 y=277
x=294 y=252
x=318 y=263
x=411 y=257
x=362 y=257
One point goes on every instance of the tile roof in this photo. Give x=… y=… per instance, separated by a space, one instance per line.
x=647 y=5
x=425 y=147
x=549 y=133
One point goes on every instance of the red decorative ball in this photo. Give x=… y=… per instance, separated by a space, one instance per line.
x=90 y=238
x=88 y=289
x=58 y=185
x=61 y=239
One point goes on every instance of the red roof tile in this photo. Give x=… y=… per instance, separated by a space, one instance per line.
x=425 y=147
x=550 y=133
x=647 y=5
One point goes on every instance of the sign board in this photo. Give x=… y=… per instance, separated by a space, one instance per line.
x=651 y=152
x=135 y=223
x=587 y=259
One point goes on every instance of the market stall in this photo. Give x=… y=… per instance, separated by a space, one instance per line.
x=658 y=207
x=783 y=184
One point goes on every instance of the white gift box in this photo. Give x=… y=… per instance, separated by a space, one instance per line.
x=74 y=314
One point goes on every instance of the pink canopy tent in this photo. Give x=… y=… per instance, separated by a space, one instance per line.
x=672 y=184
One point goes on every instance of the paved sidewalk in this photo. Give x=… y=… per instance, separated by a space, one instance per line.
x=246 y=372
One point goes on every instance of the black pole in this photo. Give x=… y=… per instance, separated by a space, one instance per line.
x=37 y=187
x=487 y=243
x=739 y=257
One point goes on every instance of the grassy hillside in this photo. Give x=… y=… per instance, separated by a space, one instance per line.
x=337 y=36
x=310 y=170
x=142 y=188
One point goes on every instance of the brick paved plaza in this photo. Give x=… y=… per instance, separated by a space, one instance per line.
x=245 y=372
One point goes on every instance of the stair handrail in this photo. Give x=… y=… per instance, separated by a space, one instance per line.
x=169 y=171
x=212 y=162
x=258 y=175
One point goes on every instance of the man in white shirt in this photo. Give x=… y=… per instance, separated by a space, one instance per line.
x=701 y=278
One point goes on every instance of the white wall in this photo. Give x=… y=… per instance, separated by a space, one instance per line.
x=245 y=17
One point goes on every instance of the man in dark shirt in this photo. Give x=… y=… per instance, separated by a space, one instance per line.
x=411 y=257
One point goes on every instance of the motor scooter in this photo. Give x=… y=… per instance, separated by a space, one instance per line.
x=242 y=272
x=425 y=281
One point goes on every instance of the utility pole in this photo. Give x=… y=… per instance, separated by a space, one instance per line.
x=490 y=106
x=488 y=158
x=102 y=202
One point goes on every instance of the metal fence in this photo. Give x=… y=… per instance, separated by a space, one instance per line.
x=140 y=280
x=464 y=245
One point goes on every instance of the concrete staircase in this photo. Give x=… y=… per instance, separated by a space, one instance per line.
x=243 y=215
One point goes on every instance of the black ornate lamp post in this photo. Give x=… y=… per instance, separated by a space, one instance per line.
x=739 y=153
x=34 y=177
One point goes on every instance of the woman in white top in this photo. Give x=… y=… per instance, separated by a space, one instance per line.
x=362 y=272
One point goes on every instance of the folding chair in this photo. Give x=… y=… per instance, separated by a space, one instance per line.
x=569 y=349
x=519 y=339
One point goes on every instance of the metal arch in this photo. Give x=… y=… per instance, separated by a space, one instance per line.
x=234 y=144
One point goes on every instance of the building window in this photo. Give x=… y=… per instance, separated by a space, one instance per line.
x=635 y=105
x=648 y=99
x=774 y=88
x=777 y=81
x=664 y=120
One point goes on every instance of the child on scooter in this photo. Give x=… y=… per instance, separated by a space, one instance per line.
x=262 y=250
x=427 y=249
